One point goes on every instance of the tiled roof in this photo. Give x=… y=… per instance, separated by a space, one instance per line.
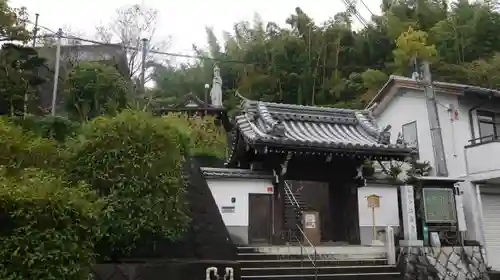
x=319 y=128
x=210 y=172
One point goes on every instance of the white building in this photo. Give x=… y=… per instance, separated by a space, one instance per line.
x=469 y=118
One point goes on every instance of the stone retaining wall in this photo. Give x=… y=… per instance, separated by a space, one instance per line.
x=433 y=263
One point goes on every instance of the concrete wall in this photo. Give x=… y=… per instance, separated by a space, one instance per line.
x=223 y=190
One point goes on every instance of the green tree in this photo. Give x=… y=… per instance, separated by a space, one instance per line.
x=412 y=47
x=12 y=23
x=135 y=162
x=18 y=79
x=206 y=138
x=94 y=89
x=49 y=229
x=304 y=62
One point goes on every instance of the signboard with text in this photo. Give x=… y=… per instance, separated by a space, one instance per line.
x=408 y=210
x=439 y=205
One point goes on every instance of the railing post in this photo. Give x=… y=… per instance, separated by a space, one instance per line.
x=390 y=245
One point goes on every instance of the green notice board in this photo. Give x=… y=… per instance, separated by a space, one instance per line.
x=439 y=205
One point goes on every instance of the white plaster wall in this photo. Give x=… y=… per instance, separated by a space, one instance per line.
x=224 y=189
x=387 y=214
x=456 y=133
x=408 y=106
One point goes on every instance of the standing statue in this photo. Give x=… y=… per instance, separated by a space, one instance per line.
x=216 y=91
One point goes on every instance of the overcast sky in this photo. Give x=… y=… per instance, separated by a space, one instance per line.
x=183 y=20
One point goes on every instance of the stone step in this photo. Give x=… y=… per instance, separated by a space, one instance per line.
x=342 y=276
x=323 y=251
x=307 y=262
x=308 y=268
x=303 y=255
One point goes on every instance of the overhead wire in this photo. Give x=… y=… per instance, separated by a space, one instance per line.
x=173 y=54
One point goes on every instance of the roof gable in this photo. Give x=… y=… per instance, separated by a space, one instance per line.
x=190 y=100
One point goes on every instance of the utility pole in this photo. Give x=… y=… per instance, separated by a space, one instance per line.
x=432 y=112
x=26 y=96
x=35 y=29
x=143 y=64
x=56 y=71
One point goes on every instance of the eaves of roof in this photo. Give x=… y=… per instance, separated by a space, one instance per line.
x=390 y=89
x=234 y=173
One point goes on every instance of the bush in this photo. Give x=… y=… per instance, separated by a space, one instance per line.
x=57 y=128
x=20 y=149
x=134 y=160
x=206 y=138
x=94 y=89
x=47 y=230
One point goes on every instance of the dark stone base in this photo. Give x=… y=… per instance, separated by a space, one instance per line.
x=429 y=263
x=161 y=270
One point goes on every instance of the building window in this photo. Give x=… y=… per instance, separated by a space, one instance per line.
x=410 y=135
x=489 y=126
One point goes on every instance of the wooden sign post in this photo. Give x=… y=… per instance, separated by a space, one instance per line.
x=373 y=203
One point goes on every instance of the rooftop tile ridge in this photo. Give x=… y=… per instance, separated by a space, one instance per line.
x=274 y=127
x=383 y=136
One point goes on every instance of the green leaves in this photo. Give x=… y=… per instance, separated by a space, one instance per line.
x=134 y=161
x=205 y=137
x=94 y=89
x=21 y=149
x=48 y=228
x=413 y=45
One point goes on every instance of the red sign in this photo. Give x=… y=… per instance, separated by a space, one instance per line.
x=270 y=189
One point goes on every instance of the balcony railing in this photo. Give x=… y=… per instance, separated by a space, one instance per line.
x=483 y=162
x=484 y=140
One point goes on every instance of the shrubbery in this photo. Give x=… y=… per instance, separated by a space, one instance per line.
x=21 y=149
x=47 y=230
x=94 y=89
x=114 y=187
x=57 y=128
x=134 y=161
x=206 y=139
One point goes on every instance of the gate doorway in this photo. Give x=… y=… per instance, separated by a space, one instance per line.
x=259 y=218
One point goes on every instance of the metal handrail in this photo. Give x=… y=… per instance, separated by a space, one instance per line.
x=313 y=260
x=290 y=194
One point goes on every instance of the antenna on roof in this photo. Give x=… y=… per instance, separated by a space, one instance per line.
x=416 y=74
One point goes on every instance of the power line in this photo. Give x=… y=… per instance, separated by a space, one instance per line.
x=41 y=26
x=172 y=54
x=366 y=6
x=153 y=51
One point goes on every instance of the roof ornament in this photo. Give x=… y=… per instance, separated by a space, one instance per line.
x=384 y=136
x=274 y=127
x=243 y=100
x=400 y=139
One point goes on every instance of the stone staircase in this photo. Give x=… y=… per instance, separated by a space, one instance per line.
x=256 y=264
